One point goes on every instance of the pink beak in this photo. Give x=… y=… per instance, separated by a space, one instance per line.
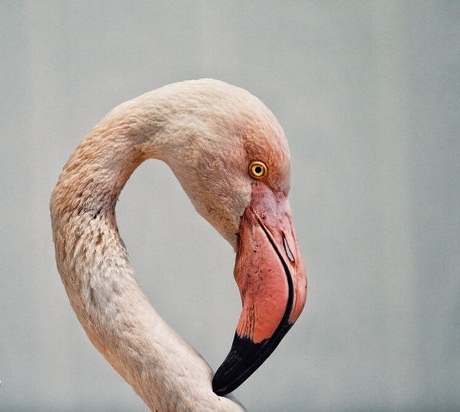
x=270 y=274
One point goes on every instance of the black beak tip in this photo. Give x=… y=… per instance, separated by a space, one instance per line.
x=244 y=358
x=219 y=388
x=237 y=366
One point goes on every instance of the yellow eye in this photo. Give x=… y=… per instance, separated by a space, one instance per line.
x=258 y=170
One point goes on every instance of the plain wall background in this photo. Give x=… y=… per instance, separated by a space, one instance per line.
x=368 y=94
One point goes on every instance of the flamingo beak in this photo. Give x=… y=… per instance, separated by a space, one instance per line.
x=271 y=277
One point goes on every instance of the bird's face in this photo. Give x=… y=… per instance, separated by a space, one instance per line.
x=269 y=269
x=235 y=167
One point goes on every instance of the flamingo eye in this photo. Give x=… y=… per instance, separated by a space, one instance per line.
x=258 y=170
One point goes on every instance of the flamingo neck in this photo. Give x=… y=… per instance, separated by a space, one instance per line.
x=166 y=372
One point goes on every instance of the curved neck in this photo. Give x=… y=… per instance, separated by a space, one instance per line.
x=160 y=366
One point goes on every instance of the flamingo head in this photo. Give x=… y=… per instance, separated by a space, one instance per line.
x=232 y=159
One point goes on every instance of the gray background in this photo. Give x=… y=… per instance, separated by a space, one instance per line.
x=368 y=94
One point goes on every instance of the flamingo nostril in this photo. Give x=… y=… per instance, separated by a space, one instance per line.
x=288 y=250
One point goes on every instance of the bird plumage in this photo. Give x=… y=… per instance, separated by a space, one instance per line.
x=207 y=132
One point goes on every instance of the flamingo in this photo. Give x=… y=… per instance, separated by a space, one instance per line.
x=231 y=157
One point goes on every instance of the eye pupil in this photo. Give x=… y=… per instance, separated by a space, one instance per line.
x=258 y=170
